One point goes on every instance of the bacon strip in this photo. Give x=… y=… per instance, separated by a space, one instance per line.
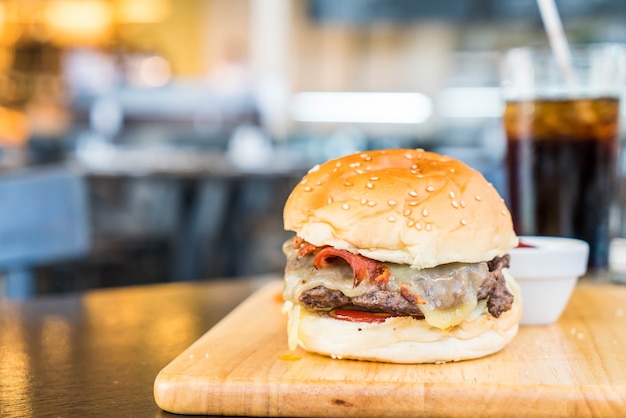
x=414 y=298
x=362 y=267
x=304 y=248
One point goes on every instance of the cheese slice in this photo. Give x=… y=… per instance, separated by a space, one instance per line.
x=293 y=323
x=449 y=292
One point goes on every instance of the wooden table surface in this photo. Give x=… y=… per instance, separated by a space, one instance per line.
x=98 y=353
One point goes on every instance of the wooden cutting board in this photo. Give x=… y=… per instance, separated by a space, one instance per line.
x=576 y=367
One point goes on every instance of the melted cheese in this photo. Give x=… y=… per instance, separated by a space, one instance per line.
x=449 y=291
x=293 y=324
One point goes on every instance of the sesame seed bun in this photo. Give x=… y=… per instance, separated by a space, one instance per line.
x=401 y=206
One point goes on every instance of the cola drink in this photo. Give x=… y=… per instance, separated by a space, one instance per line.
x=561 y=164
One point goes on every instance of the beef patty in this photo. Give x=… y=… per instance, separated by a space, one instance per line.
x=493 y=288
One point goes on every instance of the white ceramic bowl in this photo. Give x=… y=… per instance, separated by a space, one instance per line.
x=547 y=273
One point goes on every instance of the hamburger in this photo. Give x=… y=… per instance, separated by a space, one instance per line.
x=399 y=256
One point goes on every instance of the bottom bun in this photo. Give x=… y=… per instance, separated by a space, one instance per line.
x=404 y=339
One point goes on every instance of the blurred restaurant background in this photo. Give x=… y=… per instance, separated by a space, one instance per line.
x=146 y=141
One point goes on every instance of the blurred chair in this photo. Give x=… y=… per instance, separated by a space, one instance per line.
x=44 y=218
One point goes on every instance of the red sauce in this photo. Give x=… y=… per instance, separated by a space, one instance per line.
x=359 y=316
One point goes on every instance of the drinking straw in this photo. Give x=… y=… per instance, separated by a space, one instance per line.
x=558 y=41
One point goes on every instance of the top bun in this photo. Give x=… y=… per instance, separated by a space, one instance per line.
x=401 y=206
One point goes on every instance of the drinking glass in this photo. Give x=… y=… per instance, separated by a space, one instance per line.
x=563 y=141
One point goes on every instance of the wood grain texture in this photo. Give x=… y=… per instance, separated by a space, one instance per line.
x=576 y=367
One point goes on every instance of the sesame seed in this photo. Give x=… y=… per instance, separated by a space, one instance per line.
x=463 y=204
x=392 y=202
x=503 y=212
x=451 y=195
x=413 y=171
x=363 y=201
x=455 y=204
x=414 y=167
x=418 y=226
x=412 y=203
x=463 y=222
x=357 y=164
x=364 y=155
x=359 y=171
x=369 y=185
x=307 y=189
x=346 y=206
x=429 y=226
x=430 y=189
x=318 y=183
x=330 y=200
x=412 y=193
x=338 y=164
x=407 y=212
x=425 y=212
x=304 y=181
x=374 y=178
x=478 y=198
x=335 y=170
x=408 y=156
x=419 y=149
x=368 y=158
x=315 y=168
x=371 y=203
x=347 y=184
x=391 y=219
x=411 y=223
x=452 y=170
